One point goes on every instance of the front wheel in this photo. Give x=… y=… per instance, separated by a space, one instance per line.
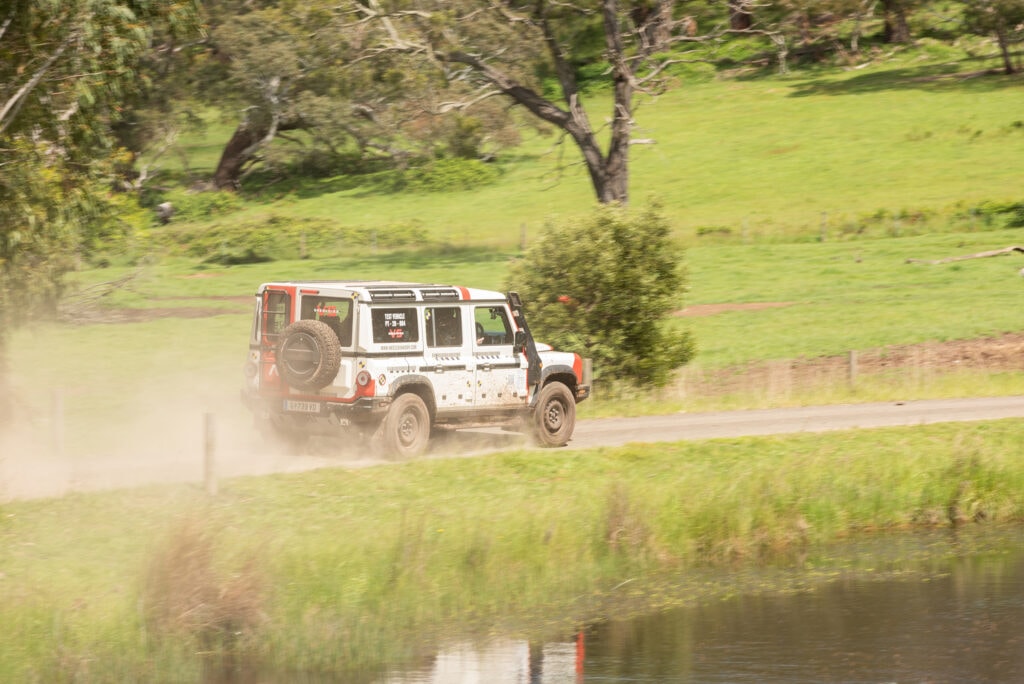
x=406 y=428
x=554 y=417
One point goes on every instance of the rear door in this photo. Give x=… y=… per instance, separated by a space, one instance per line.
x=337 y=310
x=277 y=310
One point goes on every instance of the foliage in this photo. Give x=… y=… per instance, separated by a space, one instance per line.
x=450 y=175
x=65 y=68
x=605 y=286
x=201 y=206
x=1002 y=19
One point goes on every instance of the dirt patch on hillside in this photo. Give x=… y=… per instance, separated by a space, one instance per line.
x=1000 y=353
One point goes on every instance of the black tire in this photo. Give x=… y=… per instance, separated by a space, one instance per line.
x=308 y=355
x=554 y=416
x=405 y=430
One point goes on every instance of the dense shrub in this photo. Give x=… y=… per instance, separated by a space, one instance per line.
x=605 y=287
x=198 y=206
x=446 y=175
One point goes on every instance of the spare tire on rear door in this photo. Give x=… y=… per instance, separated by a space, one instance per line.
x=308 y=355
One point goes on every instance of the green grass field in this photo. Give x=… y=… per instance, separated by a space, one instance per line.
x=336 y=569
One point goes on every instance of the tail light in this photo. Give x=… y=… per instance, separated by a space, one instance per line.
x=364 y=384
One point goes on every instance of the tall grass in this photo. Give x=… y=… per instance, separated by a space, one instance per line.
x=364 y=567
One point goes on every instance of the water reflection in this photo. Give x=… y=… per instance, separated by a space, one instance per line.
x=966 y=626
x=962 y=621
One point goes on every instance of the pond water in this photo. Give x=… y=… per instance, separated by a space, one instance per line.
x=893 y=610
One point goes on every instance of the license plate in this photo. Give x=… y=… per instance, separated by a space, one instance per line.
x=301 y=406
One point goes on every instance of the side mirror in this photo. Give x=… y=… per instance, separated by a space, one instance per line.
x=520 y=339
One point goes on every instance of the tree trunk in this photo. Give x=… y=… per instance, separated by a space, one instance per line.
x=237 y=153
x=896 y=28
x=242 y=149
x=616 y=166
x=653 y=25
x=1004 y=49
x=740 y=19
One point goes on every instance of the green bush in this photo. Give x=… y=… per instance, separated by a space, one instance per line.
x=1010 y=212
x=198 y=206
x=447 y=175
x=605 y=287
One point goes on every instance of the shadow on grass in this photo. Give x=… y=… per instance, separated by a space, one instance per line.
x=384 y=182
x=932 y=77
x=427 y=256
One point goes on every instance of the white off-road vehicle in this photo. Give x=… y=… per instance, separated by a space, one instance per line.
x=390 y=361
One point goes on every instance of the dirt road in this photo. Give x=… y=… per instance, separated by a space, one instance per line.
x=31 y=473
x=685 y=426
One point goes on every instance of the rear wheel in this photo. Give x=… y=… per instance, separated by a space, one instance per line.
x=405 y=431
x=554 y=417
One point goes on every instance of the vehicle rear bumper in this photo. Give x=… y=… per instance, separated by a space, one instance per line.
x=312 y=409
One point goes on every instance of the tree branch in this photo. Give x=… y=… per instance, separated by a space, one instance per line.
x=15 y=102
x=978 y=255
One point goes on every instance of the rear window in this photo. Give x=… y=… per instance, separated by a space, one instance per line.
x=276 y=312
x=443 y=326
x=395 y=325
x=336 y=312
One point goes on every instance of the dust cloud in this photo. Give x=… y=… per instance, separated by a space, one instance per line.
x=72 y=440
x=150 y=435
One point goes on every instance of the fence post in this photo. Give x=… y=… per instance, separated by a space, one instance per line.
x=852 y=368
x=588 y=373
x=209 y=463
x=57 y=422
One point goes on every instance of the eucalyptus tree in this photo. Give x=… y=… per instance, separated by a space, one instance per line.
x=502 y=48
x=65 y=68
x=896 y=13
x=282 y=67
x=1001 y=19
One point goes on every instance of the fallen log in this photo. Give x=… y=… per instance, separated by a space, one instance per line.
x=977 y=255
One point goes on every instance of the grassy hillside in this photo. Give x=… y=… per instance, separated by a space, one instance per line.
x=908 y=133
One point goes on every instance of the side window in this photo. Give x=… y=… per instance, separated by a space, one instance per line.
x=442 y=326
x=394 y=325
x=492 y=326
x=334 y=311
x=276 y=313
